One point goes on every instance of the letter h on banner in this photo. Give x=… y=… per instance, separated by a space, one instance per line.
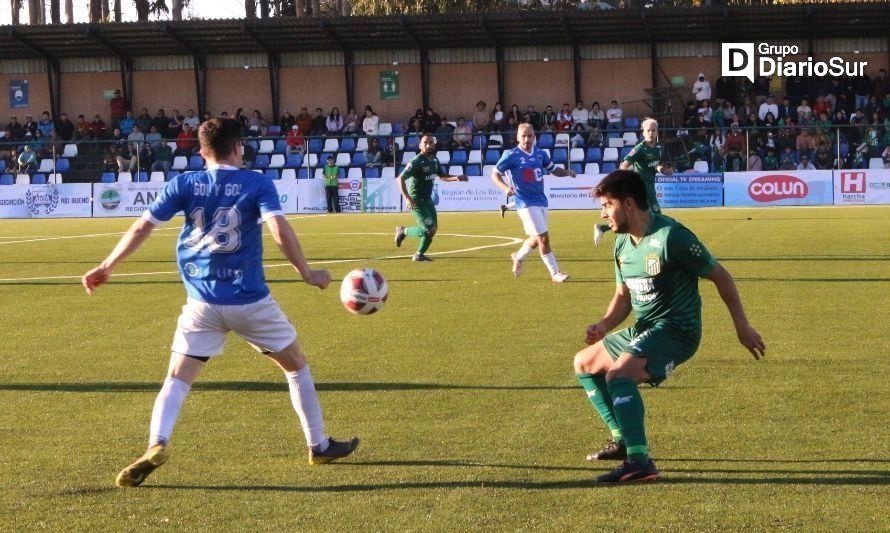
x=852 y=182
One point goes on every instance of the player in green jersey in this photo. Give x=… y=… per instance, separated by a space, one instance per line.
x=646 y=160
x=657 y=265
x=416 y=184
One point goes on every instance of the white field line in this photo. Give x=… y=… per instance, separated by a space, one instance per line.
x=508 y=242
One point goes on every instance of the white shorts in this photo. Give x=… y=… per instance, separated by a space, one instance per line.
x=202 y=327
x=534 y=220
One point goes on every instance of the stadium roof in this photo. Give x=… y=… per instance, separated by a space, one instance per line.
x=202 y=37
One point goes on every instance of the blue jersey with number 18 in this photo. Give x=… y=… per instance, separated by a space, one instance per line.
x=220 y=249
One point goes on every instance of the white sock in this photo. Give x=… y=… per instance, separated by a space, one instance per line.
x=510 y=205
x=166 y=410
x=523 y=252
x=550 y=261
x=305 y=402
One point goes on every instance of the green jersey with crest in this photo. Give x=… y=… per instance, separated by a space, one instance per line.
x=645 y=159
x=661 y=273
x=420 y=175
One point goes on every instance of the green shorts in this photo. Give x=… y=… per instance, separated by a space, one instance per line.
x=425 y=214
x=662 y=346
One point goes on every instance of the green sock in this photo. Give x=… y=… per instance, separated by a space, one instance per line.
x=415 y=231
x=425 y=243
x=628 y=407
x=599 y=397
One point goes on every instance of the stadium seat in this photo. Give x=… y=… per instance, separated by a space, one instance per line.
x=474 y=170
x=38 y=179
x=63 y=165
x=361 y=145
x=609 y=167
x=492 y=156
x=388 y=172
x=124 y=177
x=7 y=179
x=2 y=166
x=55 y=179
x=577 y=168
x=475 y=157
x=303 y=173
x=343 y=159
x=397 y=128
x=172 y=145
x=562 y=140
x=70 y=150
x=701 y=166
x=288 y=174
x=157 y=177
x=315 y=145
x=547 y=151
x=358 y=159
x=610 y=154
x=354 y=173
x=196 y=162
x=372 y=172
x=180 y=162
x=444 y=157
x=172 y=174
x=331 y=145
x=384 y=129
x=253 y=143
x=456 y=170
x=22 y=179
x=631 y=123
x=141 y=177
x=293 y=161
x=875 y=162
x=560 y=155
x=280 y=146
x=108 y=177
x=46 y=165
x=615 y=141
x=276 y=161
x=630 y=138
x=623 y=151
x=272 y=173
x=591 y=168
x=412 y=143
x=408 y=156
x=496 y=140
x=480 y=141
x=576 y=155
x=594 y=155
x=487 y=170
x=267 y=146
x=261 y=162
x=311 y=160
x=459 y=157
x=273 y=129
x=545 y=140
x=347 y=144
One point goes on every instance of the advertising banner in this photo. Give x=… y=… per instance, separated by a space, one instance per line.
x=311 y=196
x=861 y=187
x=477 y=194
x=810 y=187
x=690 y=190
x=287 y=195
x=45 y=201
x=568 y=193
x=382 y=196
x=19 y=94
x=124 y=199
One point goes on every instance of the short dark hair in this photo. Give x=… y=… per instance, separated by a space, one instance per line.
x=218 y=136
x=622 y=184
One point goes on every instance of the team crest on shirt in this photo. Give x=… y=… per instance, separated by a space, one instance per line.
x=426 y=169
x=653 y=265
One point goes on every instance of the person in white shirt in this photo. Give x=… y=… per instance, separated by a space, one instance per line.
x=613 y=116
x=805 y=163
x=580 y=115
x=769 y=106
x=701 y=89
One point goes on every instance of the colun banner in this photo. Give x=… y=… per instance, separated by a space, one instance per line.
x=810 y=187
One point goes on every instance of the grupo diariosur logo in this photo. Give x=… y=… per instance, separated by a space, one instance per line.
x=739 y=59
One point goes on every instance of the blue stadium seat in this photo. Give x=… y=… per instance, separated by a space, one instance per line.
x=253 y=143
x=272 y=173
x=397 y=128
x=196 y=162
x=280 y=146
x=358 y=159
x=7 y=179
x=578 y=168
x=347 y=144
x=384 y=142
x=459 y=157
x=560 y=155
x=372 y=172
x=594 y=155
x=2 y=165
x=545 y=140
x=141 y=177
x=480 y=141
x=273 y=130
x=492 y=157
x=172 y=174
x=474 y=170
x=412 y=143
x=293 y=161
x=631 y=123
x=623 y=152
x=261 y=162
x=316 y=145
x=608 y=167
x=108 y=177
x=303 y=174
x=38 y=179
x=62 y=165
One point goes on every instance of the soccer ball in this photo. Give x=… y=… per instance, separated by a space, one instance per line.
x=363 y=291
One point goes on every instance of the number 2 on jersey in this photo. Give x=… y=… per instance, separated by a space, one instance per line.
x=223 y=236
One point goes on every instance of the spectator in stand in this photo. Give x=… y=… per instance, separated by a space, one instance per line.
x=242 y=121
x=10 y=157
x=769 y=106
x=880 y=85
x=334 y=123
x=256 y=125
x=745 y=111
x=191 y=119
x=532 y=117
x=443 y=134
x=27 y=161
x=514 y=117
x=304 y=120
x=578 y=139
x=463 y=135
x=207 y=116
x=144 y=120
x=736 y=142
x=431 y=120
x=724 y=90
x=249 y=155
x=786 y=111
x=30 y=126
x=14 y=129
x=581 y=116
x=823 y=160
x=98 y=129
x=65 y=128
x=804 y=113
x=319 y=123
x=374 y=153
x=118 y=108
x=186 y=141
x=805 y=144
x=286 y=122
x=136 y=137
x=160 y=121
x=174 y=126
x=371 y=122
x=38 y=144
x=46 y=126
x=597 y=118
x=498 y=121
x=701 y=89
x=295 y=142
x=819 y=107
x=824 y=123
x=761 y=88
x=861 y=90
x=614 y=116
x=415 y=125
x=352 y=124
x=805 y=163
x=81 y=129
x=770 y=161
x=153 y=138
x=874 y=111
x=163 y=157
x=564 y=119
x=548 y=119
x=755 y=163
x=788 y=159
x=481 y=117
x=706 y=114
x=126 y=124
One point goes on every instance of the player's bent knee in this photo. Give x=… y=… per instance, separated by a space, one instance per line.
x=628 y=367
x=431 y=231
x=290 y=359
x=593 y=360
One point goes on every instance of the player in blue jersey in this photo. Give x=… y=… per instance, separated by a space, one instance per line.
x=524 y=166
x=220 y=260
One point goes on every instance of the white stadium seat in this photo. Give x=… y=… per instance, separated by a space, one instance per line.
x=354 y=173
x=487 y=170
x=384 y=128
x=157 y=177
x=46 y=165
x=475 y=157
x=331 y=145
x=70 y=150
x=610 y=154
x=124 y=177
x=276 y=161
x=630 y=138
x=701 y=166
x=444 y=157
x=361 y=145
x=576 y=155
x=875 y=162
x=456 y=170
x=616 y=142
x=592 y=168
x=408 y=156
x=288 y=174
x=343 y=159
x=388 y=172
x=180 y=162
x=22 y=179
x=267 y=146
x=562 y=140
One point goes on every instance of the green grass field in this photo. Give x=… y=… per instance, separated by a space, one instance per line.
x=462 y=388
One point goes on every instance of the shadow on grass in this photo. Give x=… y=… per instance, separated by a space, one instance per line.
x=266 y=386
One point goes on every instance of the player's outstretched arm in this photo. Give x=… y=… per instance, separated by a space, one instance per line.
x=619 y=308
x=289 y=245
x=747 y=335
x=131 y=241
x=452 y=177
